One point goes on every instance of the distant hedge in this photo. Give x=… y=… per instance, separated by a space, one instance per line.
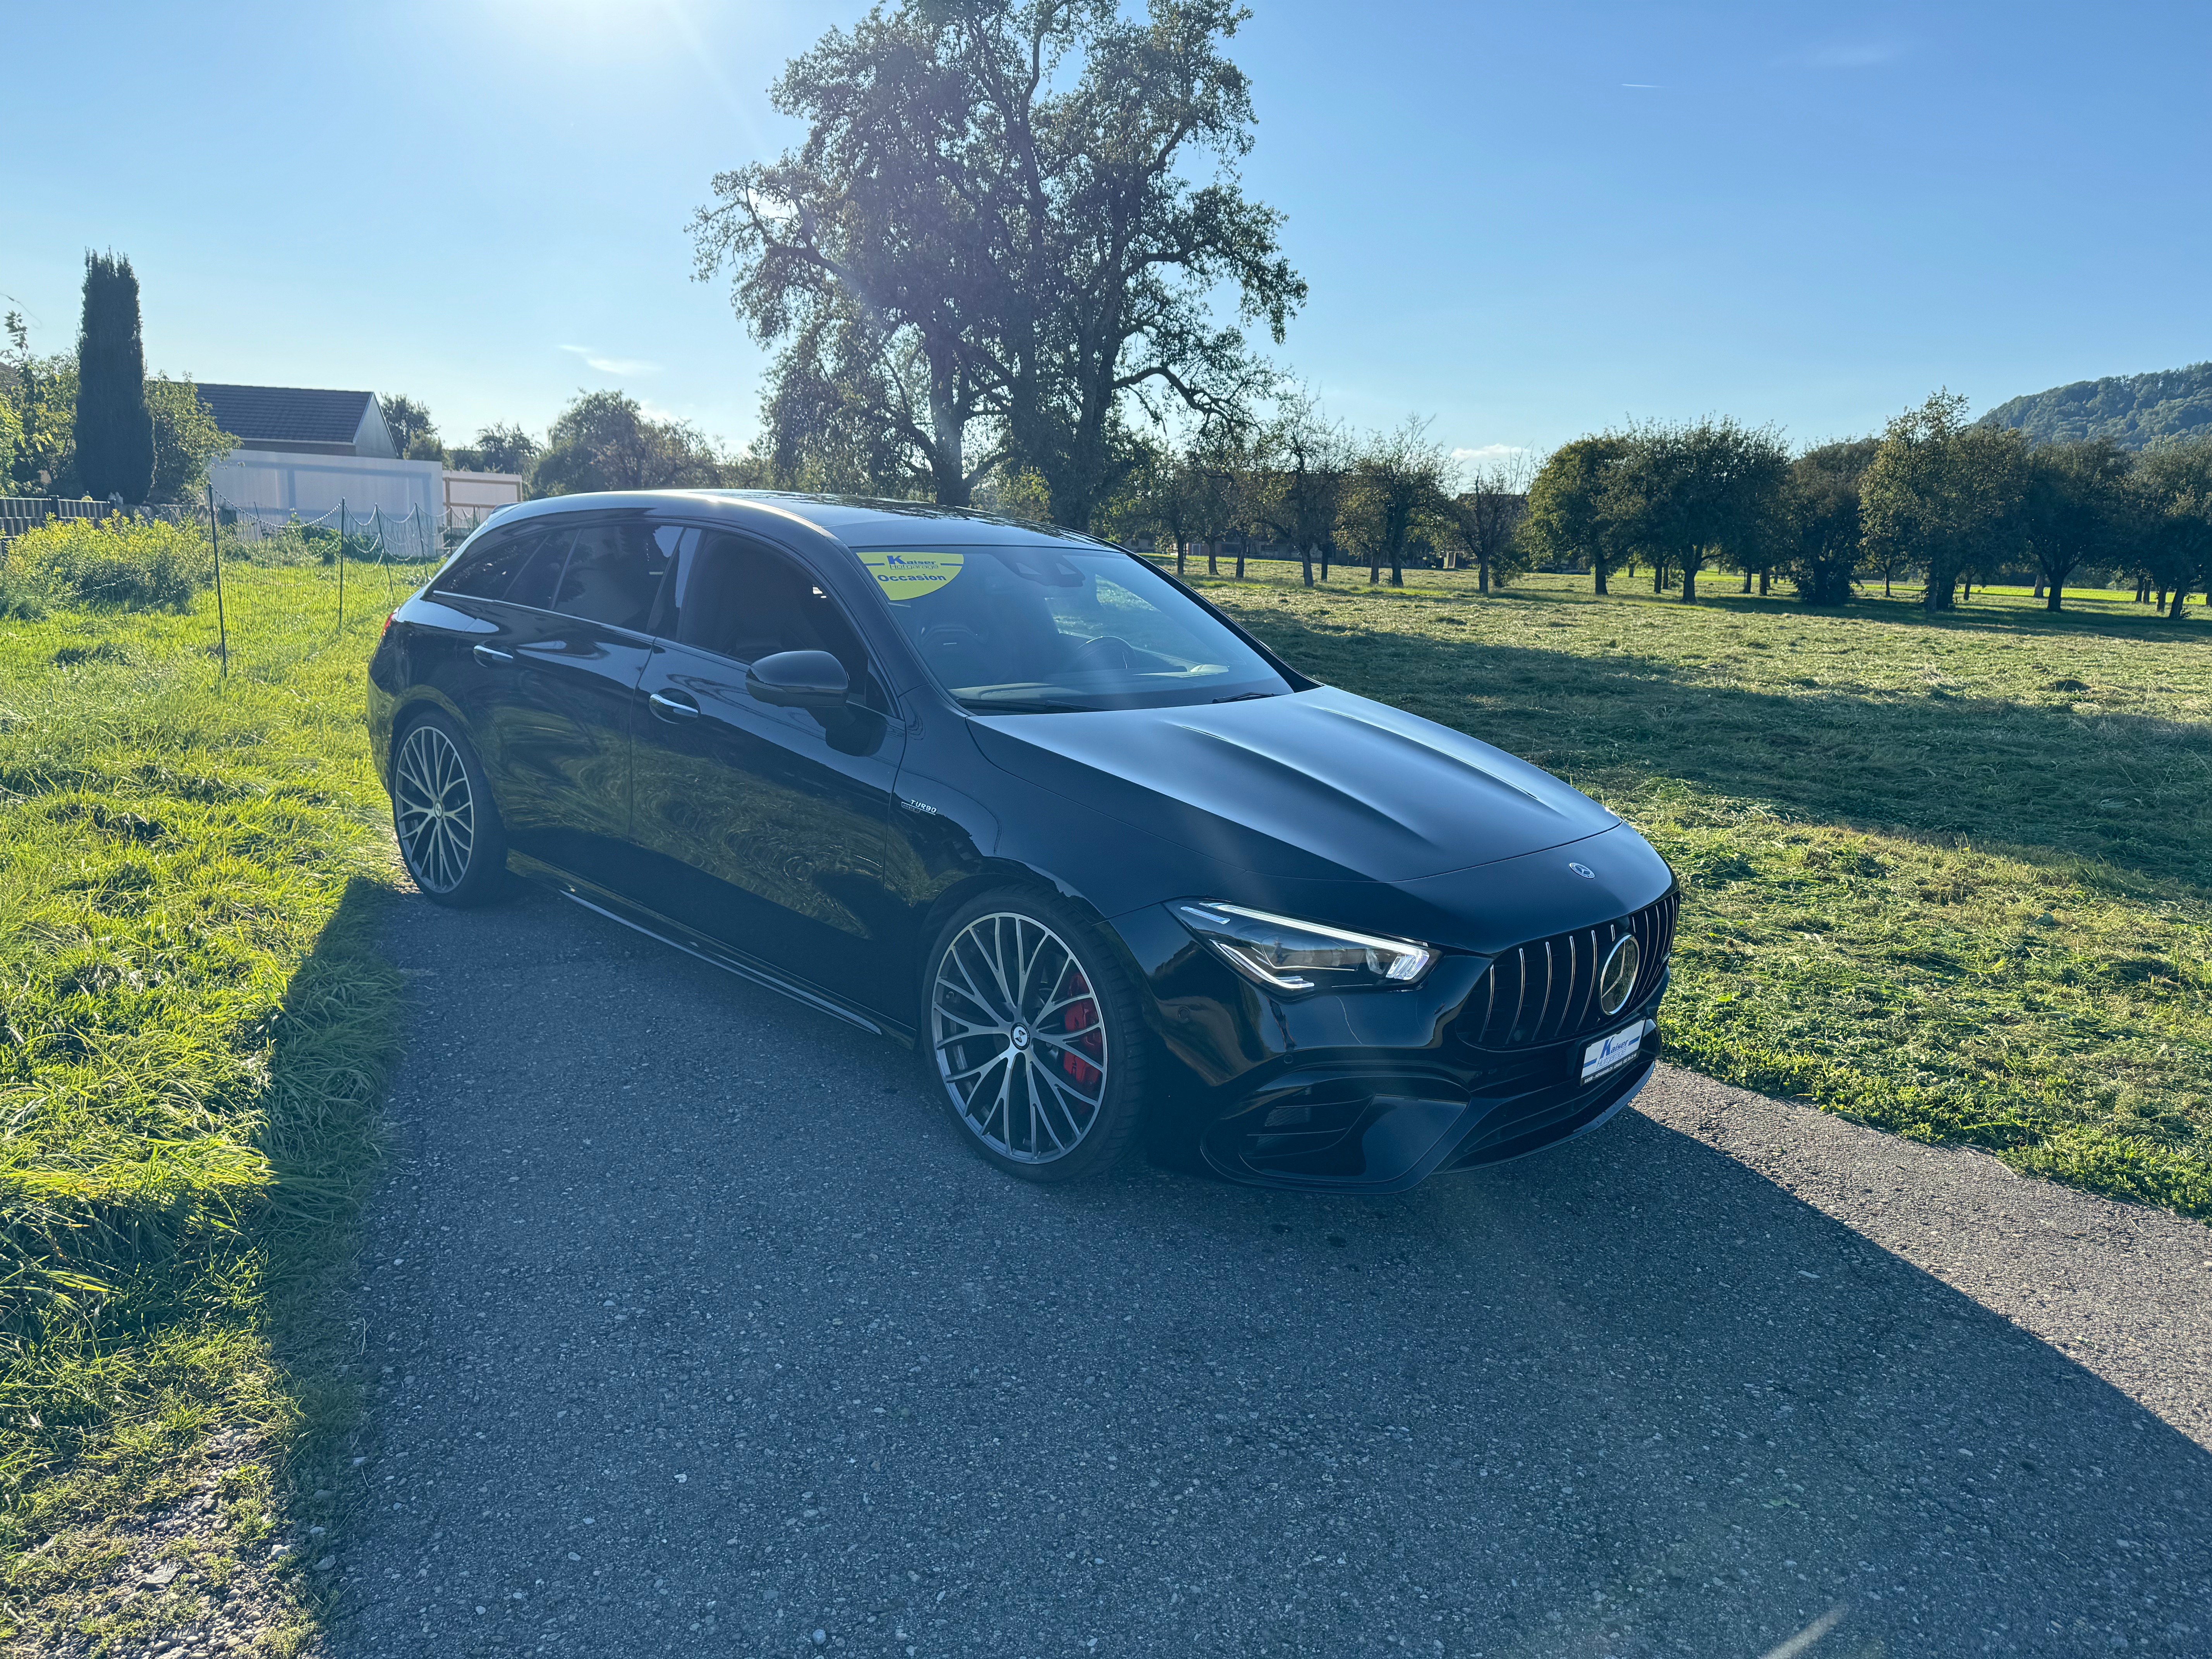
x=119 y=561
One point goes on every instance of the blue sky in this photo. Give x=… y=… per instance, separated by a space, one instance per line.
x=1527 y=221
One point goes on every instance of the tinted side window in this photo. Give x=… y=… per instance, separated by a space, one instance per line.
x=539 y=574
x=741 y=600
x=613 y=574
x=489 y=571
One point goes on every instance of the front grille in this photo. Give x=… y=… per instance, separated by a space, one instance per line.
x=1547 y=991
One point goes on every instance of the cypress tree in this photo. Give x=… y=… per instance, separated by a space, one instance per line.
x=114 y=427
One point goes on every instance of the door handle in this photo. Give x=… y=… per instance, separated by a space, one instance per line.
x=673 y=708
x=485 y=654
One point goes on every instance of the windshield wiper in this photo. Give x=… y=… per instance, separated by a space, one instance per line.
x=1025 y=706
x=1247 y=696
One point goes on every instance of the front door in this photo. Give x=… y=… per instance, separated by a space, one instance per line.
x=763 y=827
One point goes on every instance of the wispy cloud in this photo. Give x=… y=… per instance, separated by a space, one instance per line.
x=1642 y=86
x=612 y=365
x=1489 y=453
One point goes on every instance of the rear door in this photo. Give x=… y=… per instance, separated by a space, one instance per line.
x=764 y=827
x=550 y=696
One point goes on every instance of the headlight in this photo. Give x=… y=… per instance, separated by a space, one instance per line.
x=1286 y=955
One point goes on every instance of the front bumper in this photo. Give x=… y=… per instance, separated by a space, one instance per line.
x=1371 y=1091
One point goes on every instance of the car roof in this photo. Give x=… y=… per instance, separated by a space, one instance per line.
x=855 y=521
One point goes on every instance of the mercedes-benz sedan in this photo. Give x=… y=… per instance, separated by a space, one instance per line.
x=1020 y=798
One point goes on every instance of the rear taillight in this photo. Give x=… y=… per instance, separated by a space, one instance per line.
x=389 y=617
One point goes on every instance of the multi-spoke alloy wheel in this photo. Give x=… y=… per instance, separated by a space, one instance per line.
x=1020 y=1038
x=443 y=816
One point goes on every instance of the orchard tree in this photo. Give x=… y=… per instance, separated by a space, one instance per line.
x=114 y=428
x=1396 y=488
x=1824 y=538
x=1485 y=515
x=1566 y=519
x=2074 y=509
x=1686 y=491
x=1304 y=461
x=1943 y=495
x=2173 y=490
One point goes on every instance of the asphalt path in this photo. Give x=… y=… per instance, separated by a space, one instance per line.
x=696 y=1331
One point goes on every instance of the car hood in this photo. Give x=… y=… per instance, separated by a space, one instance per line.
x=1315 y=785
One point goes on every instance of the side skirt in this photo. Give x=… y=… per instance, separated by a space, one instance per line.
x=677 y=936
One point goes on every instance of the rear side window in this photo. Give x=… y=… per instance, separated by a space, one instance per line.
x=539 y=574
x=489 y=571
x=613 y=574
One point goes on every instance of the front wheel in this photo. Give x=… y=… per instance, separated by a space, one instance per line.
x=442 y=812
x=1035 y=1035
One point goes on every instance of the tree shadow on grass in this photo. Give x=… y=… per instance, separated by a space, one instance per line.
x=1970 y=617
x=2128 y=789
x=336 y=1041
x=2137 y=624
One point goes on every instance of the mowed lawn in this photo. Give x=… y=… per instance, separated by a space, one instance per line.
x=194 y=1027
x=1951 y=877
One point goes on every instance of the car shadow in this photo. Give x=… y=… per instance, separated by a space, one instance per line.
x=1627 y=1398
x=2125 y=789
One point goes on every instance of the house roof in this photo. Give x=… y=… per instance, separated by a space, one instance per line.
x=286 y=414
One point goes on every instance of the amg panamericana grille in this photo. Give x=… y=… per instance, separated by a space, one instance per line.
x=1547 y=991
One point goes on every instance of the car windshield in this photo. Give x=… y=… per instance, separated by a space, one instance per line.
x=1012 y=630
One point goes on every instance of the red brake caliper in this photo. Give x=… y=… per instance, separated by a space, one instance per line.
x=1085 y=1033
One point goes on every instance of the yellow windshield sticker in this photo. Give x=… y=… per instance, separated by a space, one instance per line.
x=910 y=575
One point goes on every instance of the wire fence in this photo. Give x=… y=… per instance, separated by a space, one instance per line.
x=422 y=534
x=376 y=544
x=243 y=539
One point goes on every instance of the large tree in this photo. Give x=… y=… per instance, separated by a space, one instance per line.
x=1824 y=538
x=114 y=427
x=603 y=440
x=1942 y=495
x=1566 y=518
x=2077 y=509
x=1688 y=491
x=991 y=197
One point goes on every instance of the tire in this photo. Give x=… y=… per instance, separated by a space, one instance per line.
x=443 y=815
x=1051 y=1090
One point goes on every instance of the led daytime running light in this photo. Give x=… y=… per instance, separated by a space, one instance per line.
x=1285 y=954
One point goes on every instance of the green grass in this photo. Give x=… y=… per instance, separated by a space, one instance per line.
x=1948 y=876
x=194 y=1027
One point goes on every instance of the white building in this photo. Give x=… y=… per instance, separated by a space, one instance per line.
x=303 y=450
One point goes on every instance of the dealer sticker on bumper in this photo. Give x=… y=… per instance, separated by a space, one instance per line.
x=1610 y=1052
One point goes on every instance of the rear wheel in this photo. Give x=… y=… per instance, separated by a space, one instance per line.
x=442 y=812
x=1034 y=1034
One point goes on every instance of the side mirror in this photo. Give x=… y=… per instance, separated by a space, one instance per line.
x=799 y=680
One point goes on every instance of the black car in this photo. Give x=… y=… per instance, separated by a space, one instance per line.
x=1017 y=798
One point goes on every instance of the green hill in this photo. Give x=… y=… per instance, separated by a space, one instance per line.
x=2138 y=411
